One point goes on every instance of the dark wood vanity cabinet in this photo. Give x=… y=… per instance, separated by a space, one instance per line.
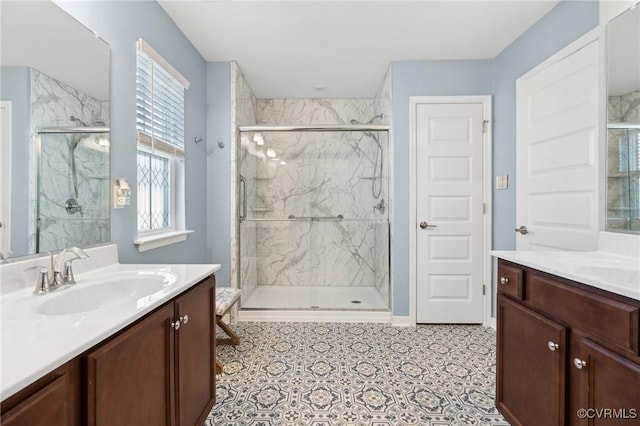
x=567 y=353
x=160 y=370
x=53 y=400
x=154 y=372
x=526 y=366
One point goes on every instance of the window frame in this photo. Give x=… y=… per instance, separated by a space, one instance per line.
x=152 y=145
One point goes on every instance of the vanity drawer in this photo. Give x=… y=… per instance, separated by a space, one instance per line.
x=609 y=319
x=510 y=280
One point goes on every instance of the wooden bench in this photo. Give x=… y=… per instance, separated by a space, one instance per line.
x=226 y=297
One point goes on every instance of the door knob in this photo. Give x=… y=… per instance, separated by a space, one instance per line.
x=552 y=346
x=522 y=230
x=425 y=225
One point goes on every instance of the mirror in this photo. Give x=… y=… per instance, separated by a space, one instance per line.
x=623 y=126
x=54 y=131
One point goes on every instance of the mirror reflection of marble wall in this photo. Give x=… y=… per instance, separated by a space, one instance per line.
x=53 y=68
x=70 y=167
x=623 y=122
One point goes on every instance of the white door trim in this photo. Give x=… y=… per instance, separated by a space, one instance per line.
x=486 y=196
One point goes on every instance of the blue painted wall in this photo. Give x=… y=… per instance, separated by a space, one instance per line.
x=420 y=78
x=15 y=86
x=219 y=168
x=121 y=23
x=563 y=24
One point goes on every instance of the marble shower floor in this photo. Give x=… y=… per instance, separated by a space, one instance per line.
x=306 y=297
x=357 y=374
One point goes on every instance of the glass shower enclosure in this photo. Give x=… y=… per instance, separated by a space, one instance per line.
x=313 y=218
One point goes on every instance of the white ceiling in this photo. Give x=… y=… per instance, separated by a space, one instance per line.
x=40 y=35
x=286 y=48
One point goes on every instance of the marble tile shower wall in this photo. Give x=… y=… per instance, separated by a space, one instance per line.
x=621 y=109
x=326 y=174
x=243 y=112
x=52 y=105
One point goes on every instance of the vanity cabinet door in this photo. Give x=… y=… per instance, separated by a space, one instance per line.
x=53 y=400
x=530 y=382
x=130 y=378
x=609 y=386
x=195 y=354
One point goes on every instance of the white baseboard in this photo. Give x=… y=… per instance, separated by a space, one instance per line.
x=404 y=321
x=491 y=323
x=314 y=316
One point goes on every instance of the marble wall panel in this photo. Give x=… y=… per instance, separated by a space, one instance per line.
x=303 y=253
x=52 y=105
x=243 y=251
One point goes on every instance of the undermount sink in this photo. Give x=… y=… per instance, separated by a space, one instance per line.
x=139 y=287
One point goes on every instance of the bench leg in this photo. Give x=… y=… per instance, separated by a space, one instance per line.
x=219 y=367
x=233 y=339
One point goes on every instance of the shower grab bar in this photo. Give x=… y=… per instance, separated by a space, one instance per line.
x=331 y=219
x=317 y=128
x=316 y=218
x=243 y=188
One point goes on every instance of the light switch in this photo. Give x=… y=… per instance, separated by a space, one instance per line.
x=502 y=182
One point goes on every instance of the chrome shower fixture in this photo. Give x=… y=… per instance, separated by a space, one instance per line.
x=377 y=171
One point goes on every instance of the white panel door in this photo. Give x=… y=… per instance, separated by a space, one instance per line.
x=5 y=178
x=449 y=213
x=557 y=152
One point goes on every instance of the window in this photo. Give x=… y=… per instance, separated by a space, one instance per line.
x=160 y=124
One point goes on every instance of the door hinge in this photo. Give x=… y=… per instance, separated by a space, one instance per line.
x=484 y=126
x=484 y=208
x=484 y=289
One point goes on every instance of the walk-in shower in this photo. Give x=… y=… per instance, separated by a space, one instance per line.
x=313 y=230
x=72 y=205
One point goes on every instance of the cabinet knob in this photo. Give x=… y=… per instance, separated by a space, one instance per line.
x=552 y=346
x=176 y=325
x=579 y=364
x=184 y=319
x=504 y=280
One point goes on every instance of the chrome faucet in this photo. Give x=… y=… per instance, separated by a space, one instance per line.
x=62 y=271
x=59 y=273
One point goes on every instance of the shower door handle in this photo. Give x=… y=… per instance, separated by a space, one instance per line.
x=243 y=197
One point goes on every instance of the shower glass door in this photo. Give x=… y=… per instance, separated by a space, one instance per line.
x=314 y=229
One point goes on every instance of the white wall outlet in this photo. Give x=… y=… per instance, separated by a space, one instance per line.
x=502 y=182
x=121 y=197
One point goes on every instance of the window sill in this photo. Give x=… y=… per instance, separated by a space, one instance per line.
x=155 y=241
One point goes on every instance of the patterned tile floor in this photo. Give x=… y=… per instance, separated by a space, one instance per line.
x=357 y=374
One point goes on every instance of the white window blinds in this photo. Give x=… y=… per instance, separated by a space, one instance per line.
x=159 y=102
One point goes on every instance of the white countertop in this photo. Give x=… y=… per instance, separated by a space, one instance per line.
x=34 y=343
x=607 y=271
